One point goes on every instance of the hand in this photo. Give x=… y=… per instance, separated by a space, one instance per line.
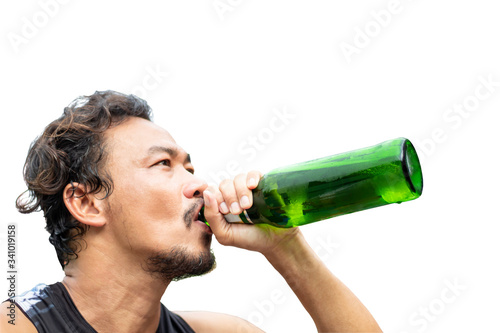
x=332 y=306
x=233 y=196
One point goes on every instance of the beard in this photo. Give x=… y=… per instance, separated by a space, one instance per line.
x=176 y=264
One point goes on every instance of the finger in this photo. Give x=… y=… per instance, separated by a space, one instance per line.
x=220 y=200
x=253 y=179
x=243 y=193
x=219 y=226
x=211 y=210
x=230 y=197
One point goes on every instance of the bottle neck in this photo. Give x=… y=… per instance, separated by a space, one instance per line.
x=242 y=218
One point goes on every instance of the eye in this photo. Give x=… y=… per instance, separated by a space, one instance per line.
x=163 y=162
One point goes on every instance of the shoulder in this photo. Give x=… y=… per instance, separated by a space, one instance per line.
x=202 y=321
x=12 y=319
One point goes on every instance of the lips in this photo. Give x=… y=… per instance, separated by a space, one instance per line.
x=198 y=214
x=200 y=218
x=191 y=215
x=195 y=214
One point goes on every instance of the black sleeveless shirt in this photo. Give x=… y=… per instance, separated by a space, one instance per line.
x=51 y=310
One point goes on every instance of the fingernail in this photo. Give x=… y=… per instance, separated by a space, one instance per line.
x=244 y=202
x=223 y=208
x=235 y=208
x=207 y=196
x=252 y=182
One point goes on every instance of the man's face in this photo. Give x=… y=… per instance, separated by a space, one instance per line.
x=153 y=209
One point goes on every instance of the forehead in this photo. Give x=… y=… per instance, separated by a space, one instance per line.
x=135 y=136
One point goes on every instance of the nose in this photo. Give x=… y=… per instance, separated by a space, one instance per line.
x=194 y=188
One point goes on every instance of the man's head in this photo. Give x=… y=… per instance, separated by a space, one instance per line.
x=106 y=176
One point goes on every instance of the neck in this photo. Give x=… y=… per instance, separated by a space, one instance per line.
x=114 y=294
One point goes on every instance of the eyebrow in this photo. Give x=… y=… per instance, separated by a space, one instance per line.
x=173 y=152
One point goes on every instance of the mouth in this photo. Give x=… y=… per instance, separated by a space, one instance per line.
x=198 y=213
x=199 y=217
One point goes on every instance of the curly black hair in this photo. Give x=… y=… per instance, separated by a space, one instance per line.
x=72 y=150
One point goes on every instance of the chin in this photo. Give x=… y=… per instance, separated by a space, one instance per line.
x=178 y=263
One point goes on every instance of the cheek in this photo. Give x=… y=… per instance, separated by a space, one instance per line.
x=144 y=223
x=148 y=200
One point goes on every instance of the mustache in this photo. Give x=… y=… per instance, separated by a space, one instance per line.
x=192 y=212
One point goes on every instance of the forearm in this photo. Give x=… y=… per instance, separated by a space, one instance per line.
x=332 y=306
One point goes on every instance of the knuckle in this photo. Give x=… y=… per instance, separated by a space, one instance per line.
x=241 y=183
x=240 y=177
x=226 y=183
x=254 y=173
x=212 y=189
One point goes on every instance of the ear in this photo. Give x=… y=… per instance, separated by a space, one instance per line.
x=84 y=207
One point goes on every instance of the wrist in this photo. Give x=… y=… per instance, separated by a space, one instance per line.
x=290 y=251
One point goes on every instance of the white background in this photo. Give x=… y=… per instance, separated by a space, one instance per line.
x=222 y=72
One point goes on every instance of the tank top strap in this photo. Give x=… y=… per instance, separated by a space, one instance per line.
x=51 y=309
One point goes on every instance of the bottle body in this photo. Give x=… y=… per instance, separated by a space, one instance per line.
x=336 y=185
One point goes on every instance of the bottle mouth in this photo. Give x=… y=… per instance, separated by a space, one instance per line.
x=411 y=168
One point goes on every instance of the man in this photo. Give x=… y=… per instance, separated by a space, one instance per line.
x=122 y=204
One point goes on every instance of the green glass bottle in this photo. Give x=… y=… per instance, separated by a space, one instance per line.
x=336 y=185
